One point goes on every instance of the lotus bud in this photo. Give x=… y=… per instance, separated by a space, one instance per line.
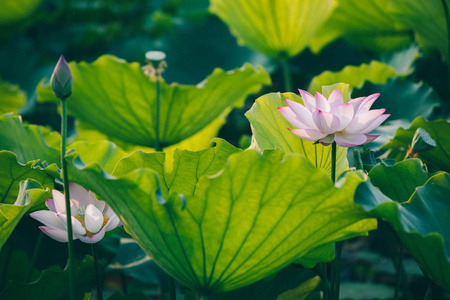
x=62 y=79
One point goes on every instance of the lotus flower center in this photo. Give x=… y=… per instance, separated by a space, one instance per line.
x=80 y=215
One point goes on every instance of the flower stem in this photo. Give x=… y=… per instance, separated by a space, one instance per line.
x=157 y=110
x=333 y=161
x=399 y=272
x=97 y=274
x=336 y=264
x=67 y=197
x=447 y=19
x=430 y=290
x=172 y=288
x=286 y=73
x=324 y=275
x=34 y=257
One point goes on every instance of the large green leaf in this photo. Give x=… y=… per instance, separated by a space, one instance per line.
x=426 y=18
x=438 y=130
x=422 y=223
x=26 y=141
x=273 y=27
x=375 y=72
x=251 y=219
x=399 y=181
x=15 y=10
x=117 y=99
x=12 y=173
x=402 y=98
x=30 y=196
x=365 y=24
x=53 y=284
x=11 y=98
x=269 y=129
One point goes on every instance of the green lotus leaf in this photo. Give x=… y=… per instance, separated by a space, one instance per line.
x=366 y=25
x=269 y=129
x=421 y=223
x=16 y=10
x=30 y=197
x=402 y=98
x=375 y=72
x=439 y=156
x=13 y=172
x=117 y=99
x=426 y=18
x=12 y=98
x=399 y=181
x=253 y=218
x=26 y=141
x=53 y=284
x=290 y=278
x=274 y=28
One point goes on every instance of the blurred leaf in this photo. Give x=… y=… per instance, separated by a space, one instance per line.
x=135 y=295
x=269 y=216
x=402 y=61
x=269 y=129
x=273 y=27
x=288 y=278
x=386 y=132
x=11 y=98
x=117 y=99
x=53 y=283
x=422 y=223
x=375 y=72
x=302 y=291
x=365 y=24
x=26 y=141
x=426 y=18
x=15 y=264
x=364 y=291
x=399 y=181
x=12 y=173
x=439 y=156
x=403 y=99
x=16 y=10
x=31 y=195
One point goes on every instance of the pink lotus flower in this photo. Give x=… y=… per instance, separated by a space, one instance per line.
x=91 y=218
x=332 y=120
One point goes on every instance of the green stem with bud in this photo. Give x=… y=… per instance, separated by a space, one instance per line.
x=65 y=178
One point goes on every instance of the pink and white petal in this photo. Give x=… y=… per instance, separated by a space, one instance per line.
x=59 y=201
x=370 y=138
x=326 y=122
x=93 y=218
x=92 y=239
x=345 y=114
x=289 y=115
x=361 y=121
x=328 y=140
x=77 y=227
x=56 y=234
x=50 y=203
x=100 y=204
x=376 y=123
x=344 y=139
x=367 y=103
x=308 y=134
x=322 y=103
x=308 y=99
x=335 y=98
x=81 y=194
x=48 y=218
x=356 y=103
x=301 y=113
x=113 y=222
